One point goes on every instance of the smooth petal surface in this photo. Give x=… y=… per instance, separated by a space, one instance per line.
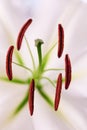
x=46 y=118
x=11 y=95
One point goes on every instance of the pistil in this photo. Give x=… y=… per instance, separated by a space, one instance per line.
x=38 y=43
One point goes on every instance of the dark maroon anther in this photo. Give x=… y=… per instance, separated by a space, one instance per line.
x=9 y=62
x=22 y=32
x=67 y=71
x=31 y=97
x=58 y=92
x=60 y=40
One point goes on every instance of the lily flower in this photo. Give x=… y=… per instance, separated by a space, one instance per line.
x=37 y=72
x=71 y=113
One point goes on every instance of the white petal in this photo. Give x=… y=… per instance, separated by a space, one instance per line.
x=22 y=121
x=45 y=118
x=74 y=113
x=76 y=33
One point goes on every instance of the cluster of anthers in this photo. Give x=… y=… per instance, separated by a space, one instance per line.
x=37 y=72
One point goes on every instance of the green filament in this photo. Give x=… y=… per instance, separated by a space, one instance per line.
x=14 y=80
x=44 y=95
x=53 y=69
x=30 y=52
x=49 y=80
x=23 y=67
x=46 y=57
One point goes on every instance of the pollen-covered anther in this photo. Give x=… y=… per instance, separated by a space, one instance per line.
x=60 y=40
x=31 y=96
x=68 y=71
x=58 y=92
x=9 y=62
x=22 y=32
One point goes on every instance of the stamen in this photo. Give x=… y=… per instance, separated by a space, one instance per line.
x=31 y=97
x=58 y=92
x=61 y=40
x=67 y=71
x=22 y=32
x=9 y=62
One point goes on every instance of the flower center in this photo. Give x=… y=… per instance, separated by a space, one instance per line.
x=37 y=72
